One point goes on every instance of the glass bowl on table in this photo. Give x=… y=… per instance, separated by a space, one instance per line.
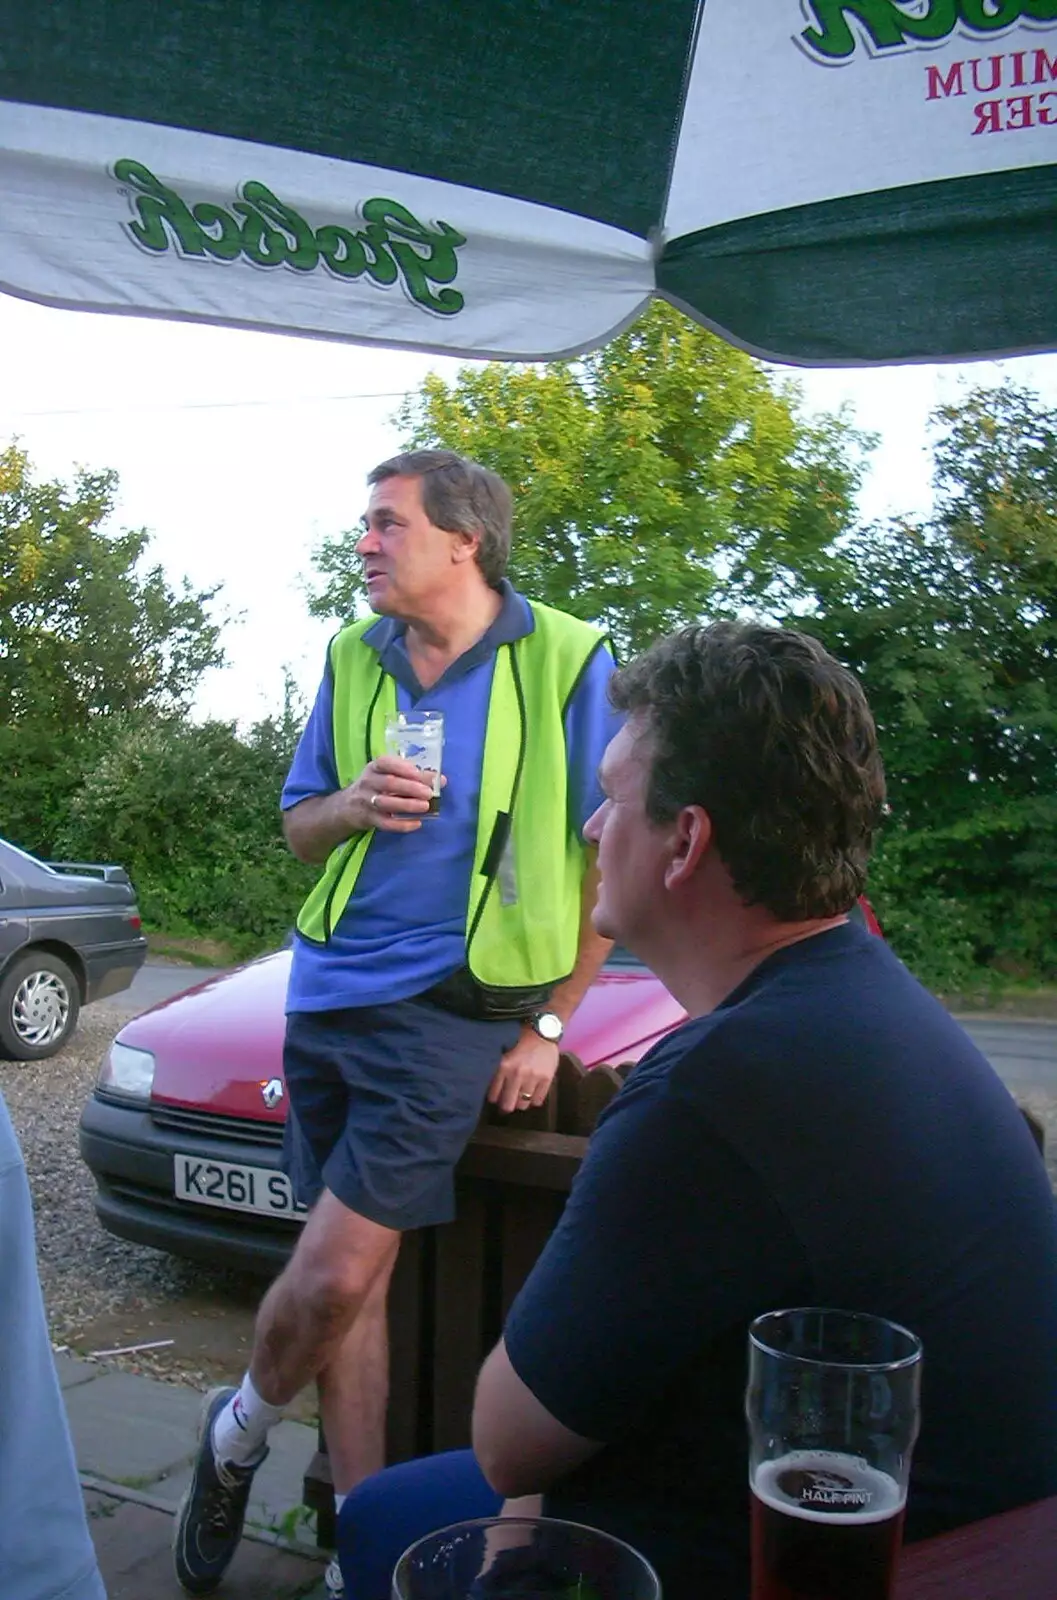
x=523 y=1558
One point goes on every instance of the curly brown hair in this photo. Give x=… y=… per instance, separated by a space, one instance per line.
x=774 y=739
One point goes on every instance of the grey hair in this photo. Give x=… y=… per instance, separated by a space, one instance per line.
x=460 y=496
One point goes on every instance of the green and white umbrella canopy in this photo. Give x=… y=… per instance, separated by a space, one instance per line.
x=820 y=182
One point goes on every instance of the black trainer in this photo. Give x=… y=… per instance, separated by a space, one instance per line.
x=209 y=1520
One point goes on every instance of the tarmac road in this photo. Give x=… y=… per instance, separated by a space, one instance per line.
x=155 y=981
x=1024 y=1054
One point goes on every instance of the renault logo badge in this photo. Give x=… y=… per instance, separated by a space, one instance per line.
x=272 y=1092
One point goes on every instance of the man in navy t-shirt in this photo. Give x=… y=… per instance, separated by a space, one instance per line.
x=819 y=1132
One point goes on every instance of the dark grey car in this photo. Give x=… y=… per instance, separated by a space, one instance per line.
x=69 y=932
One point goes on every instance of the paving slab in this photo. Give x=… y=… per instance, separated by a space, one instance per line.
x=132 y=1430
x=278 y=1483
x=71 y=1371
x=133 y=1544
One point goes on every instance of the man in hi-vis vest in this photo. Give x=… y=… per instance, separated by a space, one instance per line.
x=438 y=958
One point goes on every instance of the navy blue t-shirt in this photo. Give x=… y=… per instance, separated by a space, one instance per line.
x=827 y=1136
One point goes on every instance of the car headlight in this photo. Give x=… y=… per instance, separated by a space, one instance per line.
x=127 y=1071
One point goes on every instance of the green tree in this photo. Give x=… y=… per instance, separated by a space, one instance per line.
x=663 y=478
x=952 y=626
x=87 y=632
x=85 y=629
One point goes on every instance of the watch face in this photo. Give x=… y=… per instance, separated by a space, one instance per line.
x=549 y=1026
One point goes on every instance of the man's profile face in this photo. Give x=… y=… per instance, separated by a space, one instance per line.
x=407 y=559
x=632 y=851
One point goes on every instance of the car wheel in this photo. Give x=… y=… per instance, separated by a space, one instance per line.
x=39 y=1004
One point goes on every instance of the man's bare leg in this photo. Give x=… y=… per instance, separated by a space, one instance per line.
x=308 y=1311
x=354 y=1390
x=301 y=1327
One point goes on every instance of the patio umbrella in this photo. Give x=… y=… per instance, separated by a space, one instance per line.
x=819 y=182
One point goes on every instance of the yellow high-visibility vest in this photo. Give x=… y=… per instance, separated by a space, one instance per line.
x=523 y=918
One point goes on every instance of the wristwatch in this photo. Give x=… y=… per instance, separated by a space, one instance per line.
x=548 y=1025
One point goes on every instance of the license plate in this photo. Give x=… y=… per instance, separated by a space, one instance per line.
x=235 y=1187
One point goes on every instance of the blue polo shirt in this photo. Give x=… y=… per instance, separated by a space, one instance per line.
x=404 y=928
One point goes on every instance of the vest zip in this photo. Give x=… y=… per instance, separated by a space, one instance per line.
x=494 y=856
x=328 y=907
x=379 y=686
x=354 y=841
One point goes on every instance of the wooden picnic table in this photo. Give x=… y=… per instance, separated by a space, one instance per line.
x=1010 y=1557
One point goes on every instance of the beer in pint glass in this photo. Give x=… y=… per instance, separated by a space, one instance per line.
x=832 y=1408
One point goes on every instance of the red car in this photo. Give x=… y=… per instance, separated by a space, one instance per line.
x=184 y=1128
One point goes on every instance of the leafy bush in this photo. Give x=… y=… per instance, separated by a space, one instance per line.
x=192 y=811
x=973 y=903
x=934 y=936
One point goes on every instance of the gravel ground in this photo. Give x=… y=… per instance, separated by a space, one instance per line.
x=93 y=1282
x=89 y=1277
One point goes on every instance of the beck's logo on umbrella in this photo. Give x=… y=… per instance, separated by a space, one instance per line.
x=885 y=25
x=260 y=228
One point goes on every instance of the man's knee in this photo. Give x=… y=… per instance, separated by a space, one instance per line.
x=334 y=1291
x=389 y=1510
x=337 y=1269
x=362 y=1504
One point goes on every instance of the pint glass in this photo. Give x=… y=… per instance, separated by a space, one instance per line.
x=418 y=736
x=523 y=1558
x=832 y=1408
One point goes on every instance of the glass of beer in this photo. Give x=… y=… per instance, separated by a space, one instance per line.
x=418 y=737
x=523 y=1558
x=832 y=1408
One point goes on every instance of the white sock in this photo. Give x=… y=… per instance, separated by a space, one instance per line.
x=240 y=1432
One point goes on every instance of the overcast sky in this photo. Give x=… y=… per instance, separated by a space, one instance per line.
x=240 y=451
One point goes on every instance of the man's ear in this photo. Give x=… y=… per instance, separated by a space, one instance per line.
x=464 y=546
x=691 y=837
